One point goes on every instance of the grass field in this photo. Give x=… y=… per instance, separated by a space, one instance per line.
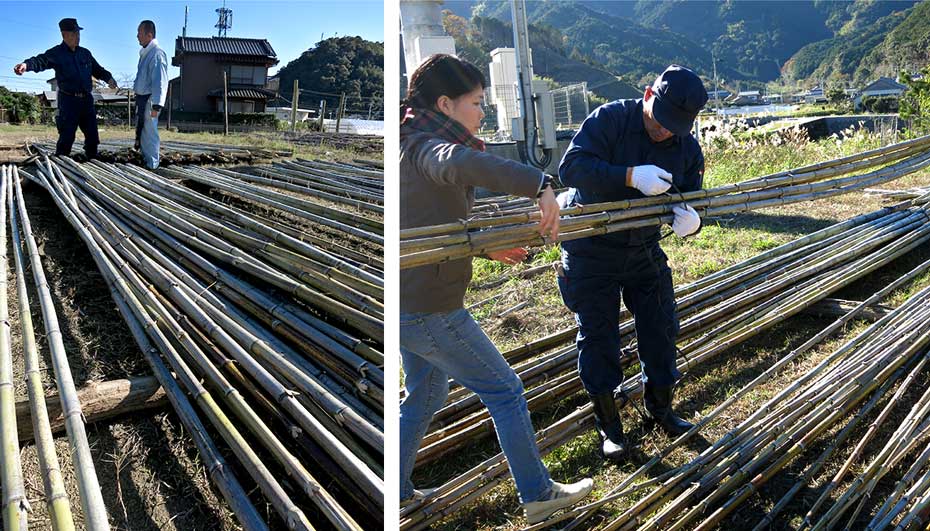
x=722 y=242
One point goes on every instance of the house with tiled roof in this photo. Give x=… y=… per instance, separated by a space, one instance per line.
x=883 y=86
x=199 y=88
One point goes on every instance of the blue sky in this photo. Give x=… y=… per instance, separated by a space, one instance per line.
x=31 y=27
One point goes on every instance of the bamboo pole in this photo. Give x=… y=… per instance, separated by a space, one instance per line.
x=95 y=514
x=57 y=500
x=15 y=504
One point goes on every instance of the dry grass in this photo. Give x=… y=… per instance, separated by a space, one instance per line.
x=13 y=137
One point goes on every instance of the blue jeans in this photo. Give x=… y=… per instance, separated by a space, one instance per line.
x=435 y=346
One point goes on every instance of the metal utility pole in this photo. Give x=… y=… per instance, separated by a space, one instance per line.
x=521 y=44
x=716 y=83
x=184 y=29
x=322 y=115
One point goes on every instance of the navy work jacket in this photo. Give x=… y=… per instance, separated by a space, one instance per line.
x=612 y=139
x=72 y=69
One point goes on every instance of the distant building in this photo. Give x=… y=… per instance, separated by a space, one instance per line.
x=203 y=60
x=284 y=113
x=773 y=98
x=883 y=86
x=274 y=84
x=815 y=95
x=102 y=95
x=746 y=97
x=722 y=94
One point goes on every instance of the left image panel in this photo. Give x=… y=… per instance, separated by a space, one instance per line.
x=192 y=265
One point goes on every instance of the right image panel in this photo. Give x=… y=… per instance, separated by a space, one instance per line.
x=663 y=265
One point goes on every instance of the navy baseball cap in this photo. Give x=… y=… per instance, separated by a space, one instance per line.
x=68 y=24
x=679 y=97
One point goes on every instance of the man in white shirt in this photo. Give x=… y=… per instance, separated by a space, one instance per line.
x=151 y=88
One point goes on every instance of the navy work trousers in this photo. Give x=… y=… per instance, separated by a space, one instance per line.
x=74 y=112
x=592 y=285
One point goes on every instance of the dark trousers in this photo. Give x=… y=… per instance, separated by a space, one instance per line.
x=74 y=112
x=592 y=287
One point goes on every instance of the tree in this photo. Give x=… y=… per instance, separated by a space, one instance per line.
x=915 y=102
x=22 y=108
x=340 y=65
x=836 y=95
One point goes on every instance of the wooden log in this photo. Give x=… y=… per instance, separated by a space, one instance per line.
x=839 y=307
x=99 y=401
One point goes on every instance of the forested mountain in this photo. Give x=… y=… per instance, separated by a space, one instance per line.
x=753 y=42
x=349 y=65
x=475 y=38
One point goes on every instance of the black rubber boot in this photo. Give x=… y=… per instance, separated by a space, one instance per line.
x=658 y=402
x=608 y=426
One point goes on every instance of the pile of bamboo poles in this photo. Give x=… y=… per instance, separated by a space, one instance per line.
x=369 y=144
x=275 y=339
x=839 y=393
x=717 y=312
x=15 y=504
x=172 y=152
x=492 y=230
x=348 y=186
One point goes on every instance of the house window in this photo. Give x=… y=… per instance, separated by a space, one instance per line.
x=236 y=106
x=247 y=75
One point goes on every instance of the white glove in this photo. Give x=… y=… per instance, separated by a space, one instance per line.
x=651 y=180
x=564 y=198
x=687 y=221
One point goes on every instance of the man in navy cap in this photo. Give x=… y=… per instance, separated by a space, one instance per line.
x=630 y=149
x=74 y=67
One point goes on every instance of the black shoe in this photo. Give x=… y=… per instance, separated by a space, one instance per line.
x=608 y=426
x=658 y=402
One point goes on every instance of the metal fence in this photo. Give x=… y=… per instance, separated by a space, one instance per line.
x=571 y=105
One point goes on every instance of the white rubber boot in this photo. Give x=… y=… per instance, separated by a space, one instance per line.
x=560 y=497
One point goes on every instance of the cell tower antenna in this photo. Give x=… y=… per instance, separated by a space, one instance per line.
x=184 y=30
x=225 y=20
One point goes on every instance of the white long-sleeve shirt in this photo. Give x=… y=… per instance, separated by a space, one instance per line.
x=152 y=74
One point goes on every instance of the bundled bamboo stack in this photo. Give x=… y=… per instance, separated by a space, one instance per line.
x=718 y=312
x=172 y=152
x=495 y=230
x=839 y=393
x=15 y=504
x=726 y=305
x=276 y=340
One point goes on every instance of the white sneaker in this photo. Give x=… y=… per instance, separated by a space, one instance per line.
x=560 y=497
x=416 y=496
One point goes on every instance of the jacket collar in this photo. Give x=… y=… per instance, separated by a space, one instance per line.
x=148 y=48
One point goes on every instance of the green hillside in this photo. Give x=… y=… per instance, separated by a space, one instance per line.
x=475 y=38
x=349 y=65
x=754 y=42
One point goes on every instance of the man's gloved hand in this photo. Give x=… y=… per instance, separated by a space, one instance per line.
x=687 y=221
x=650 y=180
x=19 y=69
